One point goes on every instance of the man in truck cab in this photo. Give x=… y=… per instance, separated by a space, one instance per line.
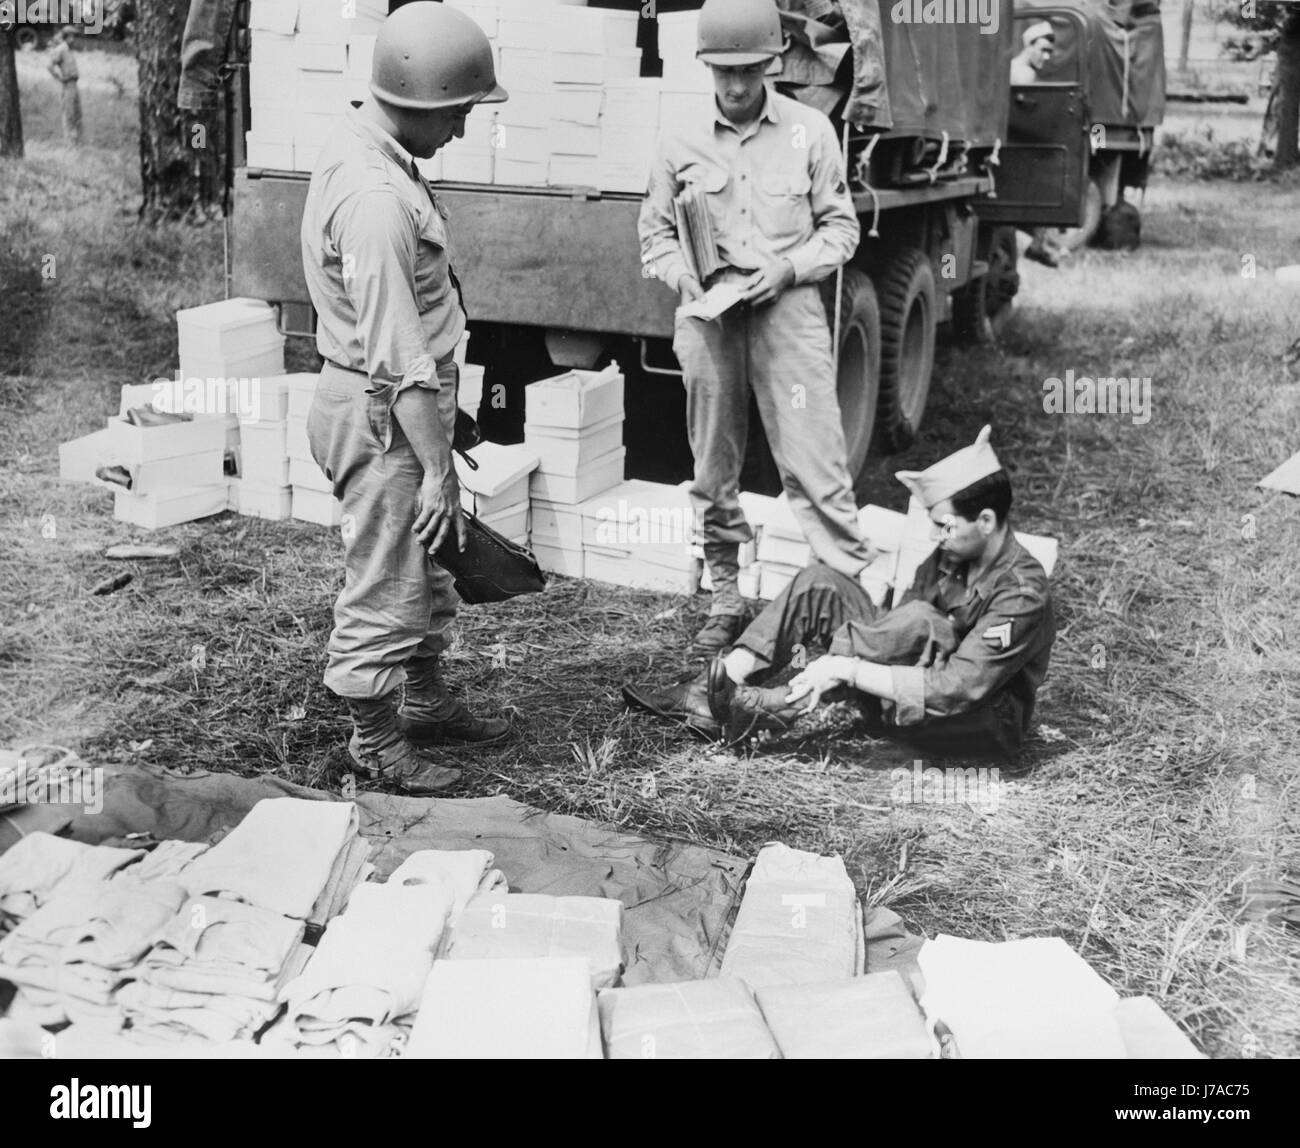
x=953 y=668
x=375 y=254
x=782 y=217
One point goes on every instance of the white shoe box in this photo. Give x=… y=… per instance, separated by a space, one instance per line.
x=598 y=476
x=507 y=172
x=316 y=506
x=632 y=103
x=590 y=68
x=578 y=103
x=574 y=139
x=573 y=171
x=619 y=569
x=783 y=551
x=564 y=450
x=469 y=390
x=154 y=512
x=302 y=390
x=591 y=31
x=650 y=522
x=270 y=397
x=296 y=443
x=512 y=521
x=164 y=477
x=558 y=524
x=322 y=40
x=304 y=474
x=575 y=400
x=264 y=458
x=486 y=16
x=774 y=578
x=501 y=468
x=523 y=142
x=558 y=559
x=681 y=109
x=526 y=66
x=81 y=457
x=464 y=164
x=271 y=154
x=263 y=500
x=131 y=445
x=232 y=329
x=485 y=506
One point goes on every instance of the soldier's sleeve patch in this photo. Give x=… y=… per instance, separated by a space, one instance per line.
x=999 y=636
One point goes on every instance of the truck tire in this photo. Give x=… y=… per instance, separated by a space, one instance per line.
x=906 y=292
x=857 y=385
x=980 y=310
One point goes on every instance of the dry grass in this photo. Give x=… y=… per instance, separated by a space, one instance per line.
x=1157 y=782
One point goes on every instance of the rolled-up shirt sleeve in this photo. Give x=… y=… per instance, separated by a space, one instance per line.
x=657 y=224
x=837 y=230
x=376 y=234
x=1006 y=636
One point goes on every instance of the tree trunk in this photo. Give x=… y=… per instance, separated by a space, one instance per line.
x=182 y=160
x=11 y=118
x=1185 y=43
x=1288 y=76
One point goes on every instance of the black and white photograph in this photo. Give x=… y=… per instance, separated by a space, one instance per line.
x=650 y=529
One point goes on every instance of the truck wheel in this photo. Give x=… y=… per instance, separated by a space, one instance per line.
x=857 y=384
x=980 y=310
x=907 y=329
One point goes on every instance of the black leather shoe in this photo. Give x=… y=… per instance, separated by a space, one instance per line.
x=719 y=633
x=686 y=702
x=755 y=708
x=721 y=689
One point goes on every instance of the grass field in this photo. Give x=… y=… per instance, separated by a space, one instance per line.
x=1162 y=775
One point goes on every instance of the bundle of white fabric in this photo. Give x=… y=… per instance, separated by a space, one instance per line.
x=359 y=993
x=290 y=856
x=38 y=865
x=215 y=973
x=73 y=953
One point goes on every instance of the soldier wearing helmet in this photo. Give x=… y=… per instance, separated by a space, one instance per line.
x=375 y=253
x=771 y=172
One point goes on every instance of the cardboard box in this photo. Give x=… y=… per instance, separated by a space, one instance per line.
x=573 y=171
x=590 y=68
x=153 y=512
x=784 y=551
x=521 y=29
x=81 y=457
x=131 y=445
x=269 y=398
x=229 y=329
x=487 y=16
x=164 y=477
x=558 y=559
x=873 y=1017
x=258 y=500
x=575 y=139
x=632 y=103
x=296 y=442
x=325 y=50
x=500 y=467
x=564 y=450
x=529 y=106
x=592 y=31
x=268 y=154
x=323 y=92
x=638 y=514
x=578 y=104
x=304 y=474
x=489 y=505
x=600 y=475
x=523 y=143
x=264 y=458
x=519 y=173
x=576 y=399
x=313 y=129
x=525 y=65
x=462 y=164
x=316 y=506
x=559 y=524
x=622 y=570
x=512 y=522
x=278 y=17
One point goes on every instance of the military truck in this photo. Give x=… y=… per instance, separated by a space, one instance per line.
x=944 y=168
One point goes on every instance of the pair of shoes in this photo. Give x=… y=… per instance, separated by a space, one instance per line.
x=743 y=710
x=429 y=715
x=383 y=753
x=686 y=702
x=719 y=633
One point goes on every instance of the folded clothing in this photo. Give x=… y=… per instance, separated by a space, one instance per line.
x=464 y=873
x=32 y=869
x=221 y=939
x=165 y=861
x=507 y=1009
x=370 y=967
x=715 y=1019
x=536 y=925
x=874 y=1017
x=799 y=922
x=281 y=857
x=1032 y=999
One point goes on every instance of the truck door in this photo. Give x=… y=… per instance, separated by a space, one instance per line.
x=1043 y=173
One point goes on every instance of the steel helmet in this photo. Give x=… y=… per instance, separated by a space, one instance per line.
x=430 y=55
x=734 y=33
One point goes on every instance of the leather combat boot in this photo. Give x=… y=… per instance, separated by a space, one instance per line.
x=743 y=710
x=429 y=715
x=383 y=753
x=685 y=702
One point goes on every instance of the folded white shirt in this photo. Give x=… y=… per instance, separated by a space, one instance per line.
x=34 y=867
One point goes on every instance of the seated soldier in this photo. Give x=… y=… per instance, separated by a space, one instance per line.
x=953 y=668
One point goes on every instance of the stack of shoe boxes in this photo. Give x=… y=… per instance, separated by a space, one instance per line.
x=497 y=491
x=263 y=483
x=574 y=424
x=313 y=496
x=638 y=534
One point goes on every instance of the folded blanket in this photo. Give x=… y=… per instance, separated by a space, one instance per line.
x=534 y=925
x=280 y=857
x=351 y=867
x=463 y=873
x=106 y=923
x=372 y=962
x=715 y=1019
x=32 y=869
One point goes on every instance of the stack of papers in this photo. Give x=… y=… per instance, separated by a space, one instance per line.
x=695 y=233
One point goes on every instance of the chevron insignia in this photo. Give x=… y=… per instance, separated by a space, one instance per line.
x=1001 y=635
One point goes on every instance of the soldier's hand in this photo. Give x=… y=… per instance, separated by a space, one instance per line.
x=824 y=674
x=437 y=511
x=769 y=281
x=689 y=288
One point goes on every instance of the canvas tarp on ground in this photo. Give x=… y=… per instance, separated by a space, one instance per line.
x=678 y=898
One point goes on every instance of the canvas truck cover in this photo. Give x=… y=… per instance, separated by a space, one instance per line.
x=984 y=59
x=1123 y=61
